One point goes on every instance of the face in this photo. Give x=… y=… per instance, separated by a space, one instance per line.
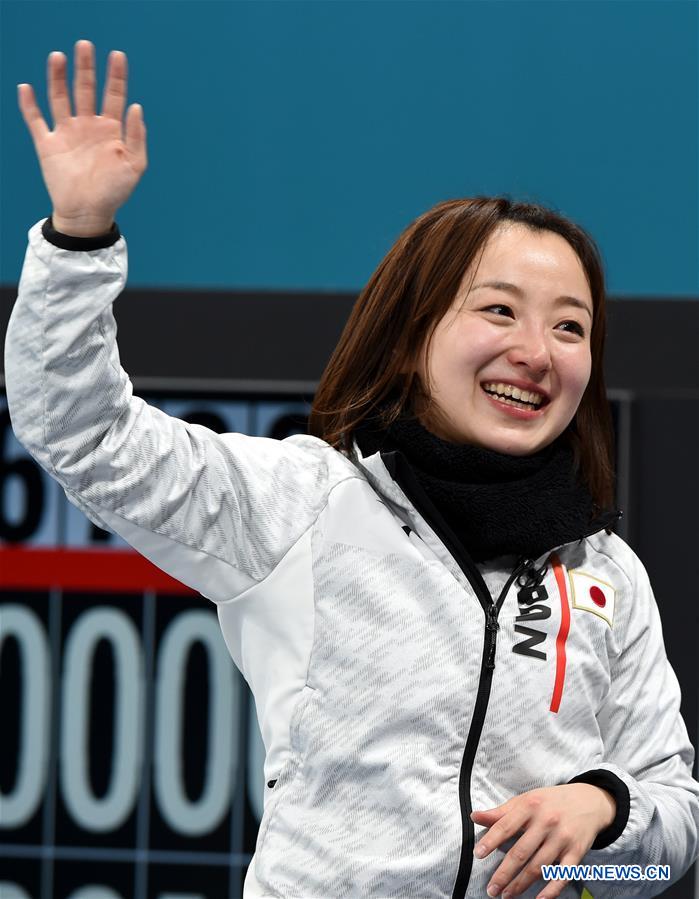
x=532 y=336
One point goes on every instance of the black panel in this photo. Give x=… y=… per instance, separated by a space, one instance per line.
x=288 y=337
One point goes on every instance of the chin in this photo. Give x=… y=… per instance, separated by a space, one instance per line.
x=514 y=447
x=521 y=451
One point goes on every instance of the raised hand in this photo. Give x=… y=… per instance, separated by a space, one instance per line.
x=90 y=163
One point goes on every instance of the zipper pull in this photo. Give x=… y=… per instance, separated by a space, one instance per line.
x=528 y=575
x=492 y=618
x=493 y=626
x=530 y=582
x=522 y=563
x=523 y=572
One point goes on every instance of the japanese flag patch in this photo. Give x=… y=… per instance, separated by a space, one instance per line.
x=592 y=595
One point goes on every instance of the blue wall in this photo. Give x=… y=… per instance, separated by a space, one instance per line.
x=290 y=142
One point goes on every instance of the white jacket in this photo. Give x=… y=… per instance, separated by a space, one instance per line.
x=389 y=704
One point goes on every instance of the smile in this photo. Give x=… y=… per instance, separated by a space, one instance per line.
x=509 y=395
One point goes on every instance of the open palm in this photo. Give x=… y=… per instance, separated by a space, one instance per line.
x=90 y=163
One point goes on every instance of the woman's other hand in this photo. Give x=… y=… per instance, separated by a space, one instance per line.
x=560 y=825
x=90 y=162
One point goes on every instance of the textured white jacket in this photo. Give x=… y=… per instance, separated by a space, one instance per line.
x=391 y=700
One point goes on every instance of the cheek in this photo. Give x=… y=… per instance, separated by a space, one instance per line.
x=466 y=350
x=576 y=371
x=447 y=359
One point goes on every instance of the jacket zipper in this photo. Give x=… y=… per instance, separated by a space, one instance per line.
x=401 y=472
x=492 y=609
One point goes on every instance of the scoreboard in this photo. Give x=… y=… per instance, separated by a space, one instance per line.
x=131 y=761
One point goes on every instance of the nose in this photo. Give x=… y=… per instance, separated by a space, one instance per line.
x=530 y=348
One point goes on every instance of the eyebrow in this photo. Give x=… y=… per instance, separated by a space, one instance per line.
x=518 y=292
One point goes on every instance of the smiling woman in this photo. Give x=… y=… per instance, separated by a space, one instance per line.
x=423 y=338
x=526 y=348
x=448 y=646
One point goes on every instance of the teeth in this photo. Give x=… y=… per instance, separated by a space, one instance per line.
x=506 y=401
x=525 y=396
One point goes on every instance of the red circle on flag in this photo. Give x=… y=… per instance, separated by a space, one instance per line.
x=598 y=597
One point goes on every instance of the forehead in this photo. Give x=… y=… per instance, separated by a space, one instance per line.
x=529 y=259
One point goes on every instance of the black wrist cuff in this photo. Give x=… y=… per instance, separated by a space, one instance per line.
x=600 y=777
x=66 y=242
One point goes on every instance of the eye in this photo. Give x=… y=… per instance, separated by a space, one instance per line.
x=573 y=326
x=577 y=326
x=497 y=306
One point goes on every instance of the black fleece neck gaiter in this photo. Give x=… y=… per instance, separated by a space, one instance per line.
x=496 y=504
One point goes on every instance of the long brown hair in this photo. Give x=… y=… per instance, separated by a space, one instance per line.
x=372 y=370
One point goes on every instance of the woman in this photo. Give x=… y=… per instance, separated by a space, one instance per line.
x=458 y=667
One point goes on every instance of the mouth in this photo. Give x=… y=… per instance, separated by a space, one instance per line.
x=508 y=395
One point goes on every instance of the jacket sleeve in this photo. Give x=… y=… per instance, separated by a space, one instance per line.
x=648 y=754
x=217 y=512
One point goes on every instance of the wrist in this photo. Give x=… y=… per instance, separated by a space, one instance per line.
x=609 y=782
x=71 y=242
x=84 y=226
x=608 y=806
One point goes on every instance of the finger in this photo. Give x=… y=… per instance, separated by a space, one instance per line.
x=515 y=860
x=136 y=135
x=554 y=888
x=491 y=814
x=547 y=854
x=31 y=113
x=488 y=816
x=59 y=102
x=114 y=97
x=502 y=830
x=84 y=78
